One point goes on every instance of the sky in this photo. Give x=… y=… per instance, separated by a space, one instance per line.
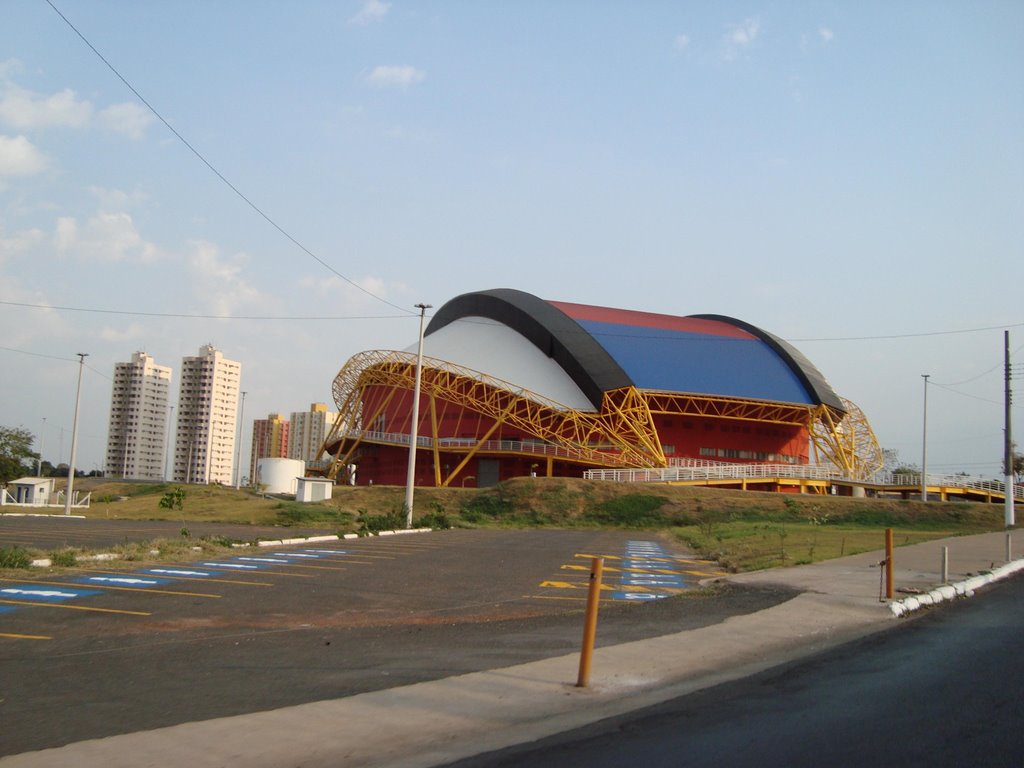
x=287 y=180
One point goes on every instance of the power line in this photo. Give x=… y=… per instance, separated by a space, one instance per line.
x=916 y=335
x=183 y=315
x=217 y=173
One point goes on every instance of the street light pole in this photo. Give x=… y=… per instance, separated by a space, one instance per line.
x=238 y=450
x=39 y=470
x=924 y=442
x=74 y=435
x=411 y=474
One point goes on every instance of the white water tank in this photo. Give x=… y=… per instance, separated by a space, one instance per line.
x=279 y=475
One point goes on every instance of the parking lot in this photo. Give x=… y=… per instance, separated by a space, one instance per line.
x=98 y=651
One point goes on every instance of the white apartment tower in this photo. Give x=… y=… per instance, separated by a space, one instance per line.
x=137 y=435
x=204 y=446
x=307 y=432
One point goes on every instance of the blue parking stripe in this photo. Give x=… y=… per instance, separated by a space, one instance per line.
x=127 y=580
x=44 y=594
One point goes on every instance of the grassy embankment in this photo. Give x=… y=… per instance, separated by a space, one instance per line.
x=742 y=530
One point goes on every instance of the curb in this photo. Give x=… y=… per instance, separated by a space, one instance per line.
x=964 y=588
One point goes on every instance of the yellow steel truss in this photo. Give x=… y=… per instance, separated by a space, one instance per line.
x=622 y=434
x=846 y=441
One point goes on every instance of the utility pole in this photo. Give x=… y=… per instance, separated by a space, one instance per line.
x=411 y=474
x=74 y=435
x=39 y=469
x=924 y=442
x=238 y=450
x=1008 y=452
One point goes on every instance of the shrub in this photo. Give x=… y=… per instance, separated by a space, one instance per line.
x=631 y=511
x=64 y=558
x=15 y=557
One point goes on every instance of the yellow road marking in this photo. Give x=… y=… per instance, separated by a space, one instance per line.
x=25 y=637
x=609 y=569
x=41 y=604
x=571 y=585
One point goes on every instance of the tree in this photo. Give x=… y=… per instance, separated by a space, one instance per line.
x=15 y=450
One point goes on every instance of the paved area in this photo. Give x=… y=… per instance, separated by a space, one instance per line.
x=435 y=722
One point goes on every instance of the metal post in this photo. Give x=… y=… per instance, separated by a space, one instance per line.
x=39 y=470
x=945 y=565
x=169 y=443
x=238 y=450
x=1009 y=548
x=1008 y=443
x=889 y=585
x=410 y=478
x=590 y=623
x=924 y=442
x=74 y=435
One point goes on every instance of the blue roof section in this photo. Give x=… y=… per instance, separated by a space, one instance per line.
x=603 y=349
x=697 y=363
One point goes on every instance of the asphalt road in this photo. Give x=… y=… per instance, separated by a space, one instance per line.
x=90 y=653
x=941 y=690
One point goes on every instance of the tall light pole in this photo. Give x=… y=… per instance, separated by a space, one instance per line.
x=1008 y=512
x=411 y=475
x=238 y=450
x=39 y=469
x=168 y=448
x=74 y=435
x=924 y=442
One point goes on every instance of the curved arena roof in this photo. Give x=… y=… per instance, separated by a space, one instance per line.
x=574 y=353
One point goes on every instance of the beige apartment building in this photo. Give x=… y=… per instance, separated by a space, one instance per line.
x=208 y=398
x=308 y=431
x=137 y=431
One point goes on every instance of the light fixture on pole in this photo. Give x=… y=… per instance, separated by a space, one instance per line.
x=74 y=435
x=924 y=442
x=238 y=450
x=411 y=475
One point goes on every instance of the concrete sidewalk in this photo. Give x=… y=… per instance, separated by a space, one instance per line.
x=444 y=720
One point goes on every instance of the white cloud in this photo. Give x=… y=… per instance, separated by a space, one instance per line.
x=19 y=157
x=106 y=237
x=128 y=119
x=218 y=280
x=825 y=34
x=395 y=76
x=740 y=37
x=372 y=11
x=121 y=334
x=25 y=110
x=19 y=243
x=681 y=42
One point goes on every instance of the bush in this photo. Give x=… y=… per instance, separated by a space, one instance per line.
x=15 y=557
x=392 y=521
x=631 y=511
x=63 y=558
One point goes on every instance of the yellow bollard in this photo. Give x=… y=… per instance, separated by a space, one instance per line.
x=889 y=587
x=590 y=624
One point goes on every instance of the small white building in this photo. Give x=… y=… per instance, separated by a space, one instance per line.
x=314 y=489
x=28 y=491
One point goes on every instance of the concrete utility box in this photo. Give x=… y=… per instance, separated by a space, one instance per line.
x=313 y=489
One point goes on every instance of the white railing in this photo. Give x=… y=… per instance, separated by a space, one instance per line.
x=714 y=471
x=78 y=502
x=721 y=471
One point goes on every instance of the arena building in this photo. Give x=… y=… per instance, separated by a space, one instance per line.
x=514 y=385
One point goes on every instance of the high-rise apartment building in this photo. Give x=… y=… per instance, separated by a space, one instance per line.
x=204 y=446
x=269 y=439
x=137 y=433
x=308 y=431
